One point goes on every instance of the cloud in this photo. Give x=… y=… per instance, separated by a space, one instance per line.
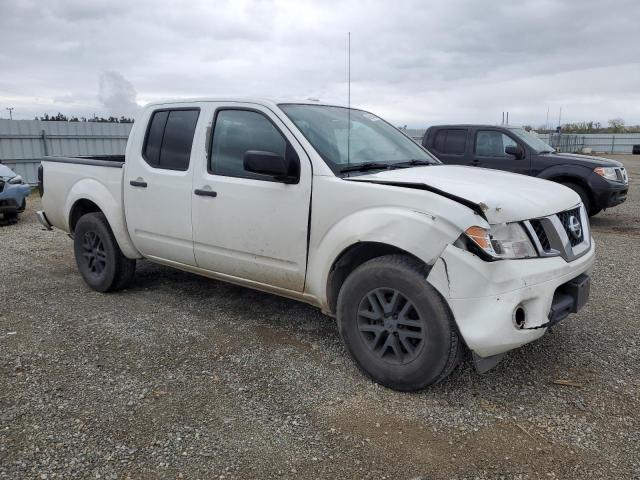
x=117 y=94
x=413 y=62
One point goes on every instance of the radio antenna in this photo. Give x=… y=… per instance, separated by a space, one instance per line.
x=349 y=100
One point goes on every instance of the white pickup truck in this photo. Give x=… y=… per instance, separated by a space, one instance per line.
x=418 y=261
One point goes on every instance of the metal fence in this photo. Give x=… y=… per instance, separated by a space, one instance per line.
x=597 y=142
x=24 y=142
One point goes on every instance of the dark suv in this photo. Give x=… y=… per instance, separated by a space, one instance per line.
x=600 y=182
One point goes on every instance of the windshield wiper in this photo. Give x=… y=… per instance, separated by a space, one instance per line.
x=545 y=151
x=363 y=167
x=413 y=163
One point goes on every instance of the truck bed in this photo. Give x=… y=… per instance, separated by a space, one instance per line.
x=64 y=180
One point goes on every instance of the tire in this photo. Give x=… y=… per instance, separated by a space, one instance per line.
x=416 y=348
x=99 y=258
x=11 y=217
x=584 y=196
x=23 y=206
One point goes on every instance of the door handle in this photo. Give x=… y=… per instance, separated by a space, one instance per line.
x=205 y=193
x=475 y=163
x=138 y=183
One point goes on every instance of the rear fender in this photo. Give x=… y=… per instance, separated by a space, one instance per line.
x=90 y=189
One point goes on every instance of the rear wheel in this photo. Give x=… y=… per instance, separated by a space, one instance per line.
x=396 y=326
x=584 y=196
x=100 y=261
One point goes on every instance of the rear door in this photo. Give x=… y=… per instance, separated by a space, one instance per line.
x=249 y=225
x=158 y=186
x=450 y=145
x=488 y=151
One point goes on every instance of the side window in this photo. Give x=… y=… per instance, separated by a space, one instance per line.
x=450 y=141
x=438 y=141
x=152 y=145
x=492 y=143
x=237 y=131
x=455 y=142
x=169 y=139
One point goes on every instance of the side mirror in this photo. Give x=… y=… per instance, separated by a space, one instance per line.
x=514 y=150
x=269 y=163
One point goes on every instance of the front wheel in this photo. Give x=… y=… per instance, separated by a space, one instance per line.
x=584 y=196
x=395 y=325
x=100 y=261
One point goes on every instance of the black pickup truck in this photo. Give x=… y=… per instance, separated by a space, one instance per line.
x=600 y=182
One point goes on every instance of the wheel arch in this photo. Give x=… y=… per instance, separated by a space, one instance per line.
x=78 y=209
x=351 y=258
x=89 y=195
x=581 y=182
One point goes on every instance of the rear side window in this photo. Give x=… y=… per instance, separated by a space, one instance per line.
x=438 y=142
x=456 y=140
x=450 y=141
x=169 y=138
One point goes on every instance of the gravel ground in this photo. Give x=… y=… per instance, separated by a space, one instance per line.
x=184 y=377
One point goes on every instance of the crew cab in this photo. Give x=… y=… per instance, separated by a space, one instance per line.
x=331 y=206
x=601 y=183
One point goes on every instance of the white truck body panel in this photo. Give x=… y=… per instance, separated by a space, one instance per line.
x=285 y=238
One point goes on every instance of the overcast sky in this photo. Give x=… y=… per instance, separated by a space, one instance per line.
x=413 y=62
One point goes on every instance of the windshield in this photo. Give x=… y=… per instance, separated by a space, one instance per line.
x=532 y=140
x=370 y=139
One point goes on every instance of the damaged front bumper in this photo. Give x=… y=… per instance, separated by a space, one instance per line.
x=502 y=305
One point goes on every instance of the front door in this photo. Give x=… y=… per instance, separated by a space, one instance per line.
x=489 y=152
x=248 y=225
x=158 y=186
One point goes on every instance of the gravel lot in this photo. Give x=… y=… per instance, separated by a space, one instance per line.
x=184 y=377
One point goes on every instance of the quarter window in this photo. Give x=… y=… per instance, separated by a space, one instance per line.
x=491 y=143
x=170 y=138
x=238 y=131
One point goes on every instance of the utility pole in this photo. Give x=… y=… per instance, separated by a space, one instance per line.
x=560 y=118
x=10 y=112
x=546 y=125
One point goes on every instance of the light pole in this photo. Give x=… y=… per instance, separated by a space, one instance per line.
x=10 y=112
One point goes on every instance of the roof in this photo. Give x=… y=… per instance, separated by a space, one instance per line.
x=475 y=125
x=266 y=102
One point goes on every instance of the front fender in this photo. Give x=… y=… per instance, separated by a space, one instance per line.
x=96 y=192
x=579 y=172
x=418 y=233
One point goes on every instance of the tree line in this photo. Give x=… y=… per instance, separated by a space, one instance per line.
x=61 y=117
x=615 y=125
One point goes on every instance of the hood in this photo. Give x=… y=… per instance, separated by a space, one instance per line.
x=501 y=196
x=6 y=173
x=584 y=160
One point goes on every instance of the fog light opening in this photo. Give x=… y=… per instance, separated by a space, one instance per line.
x=519 y=317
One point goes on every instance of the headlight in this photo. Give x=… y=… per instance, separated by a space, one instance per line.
x=505 y=240
x=15 y=180
x=607 y=172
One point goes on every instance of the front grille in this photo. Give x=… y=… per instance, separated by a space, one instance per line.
x=1 y=185
x=566 y=234
x=621 y=174
x=572 y=224
x=541 y=234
